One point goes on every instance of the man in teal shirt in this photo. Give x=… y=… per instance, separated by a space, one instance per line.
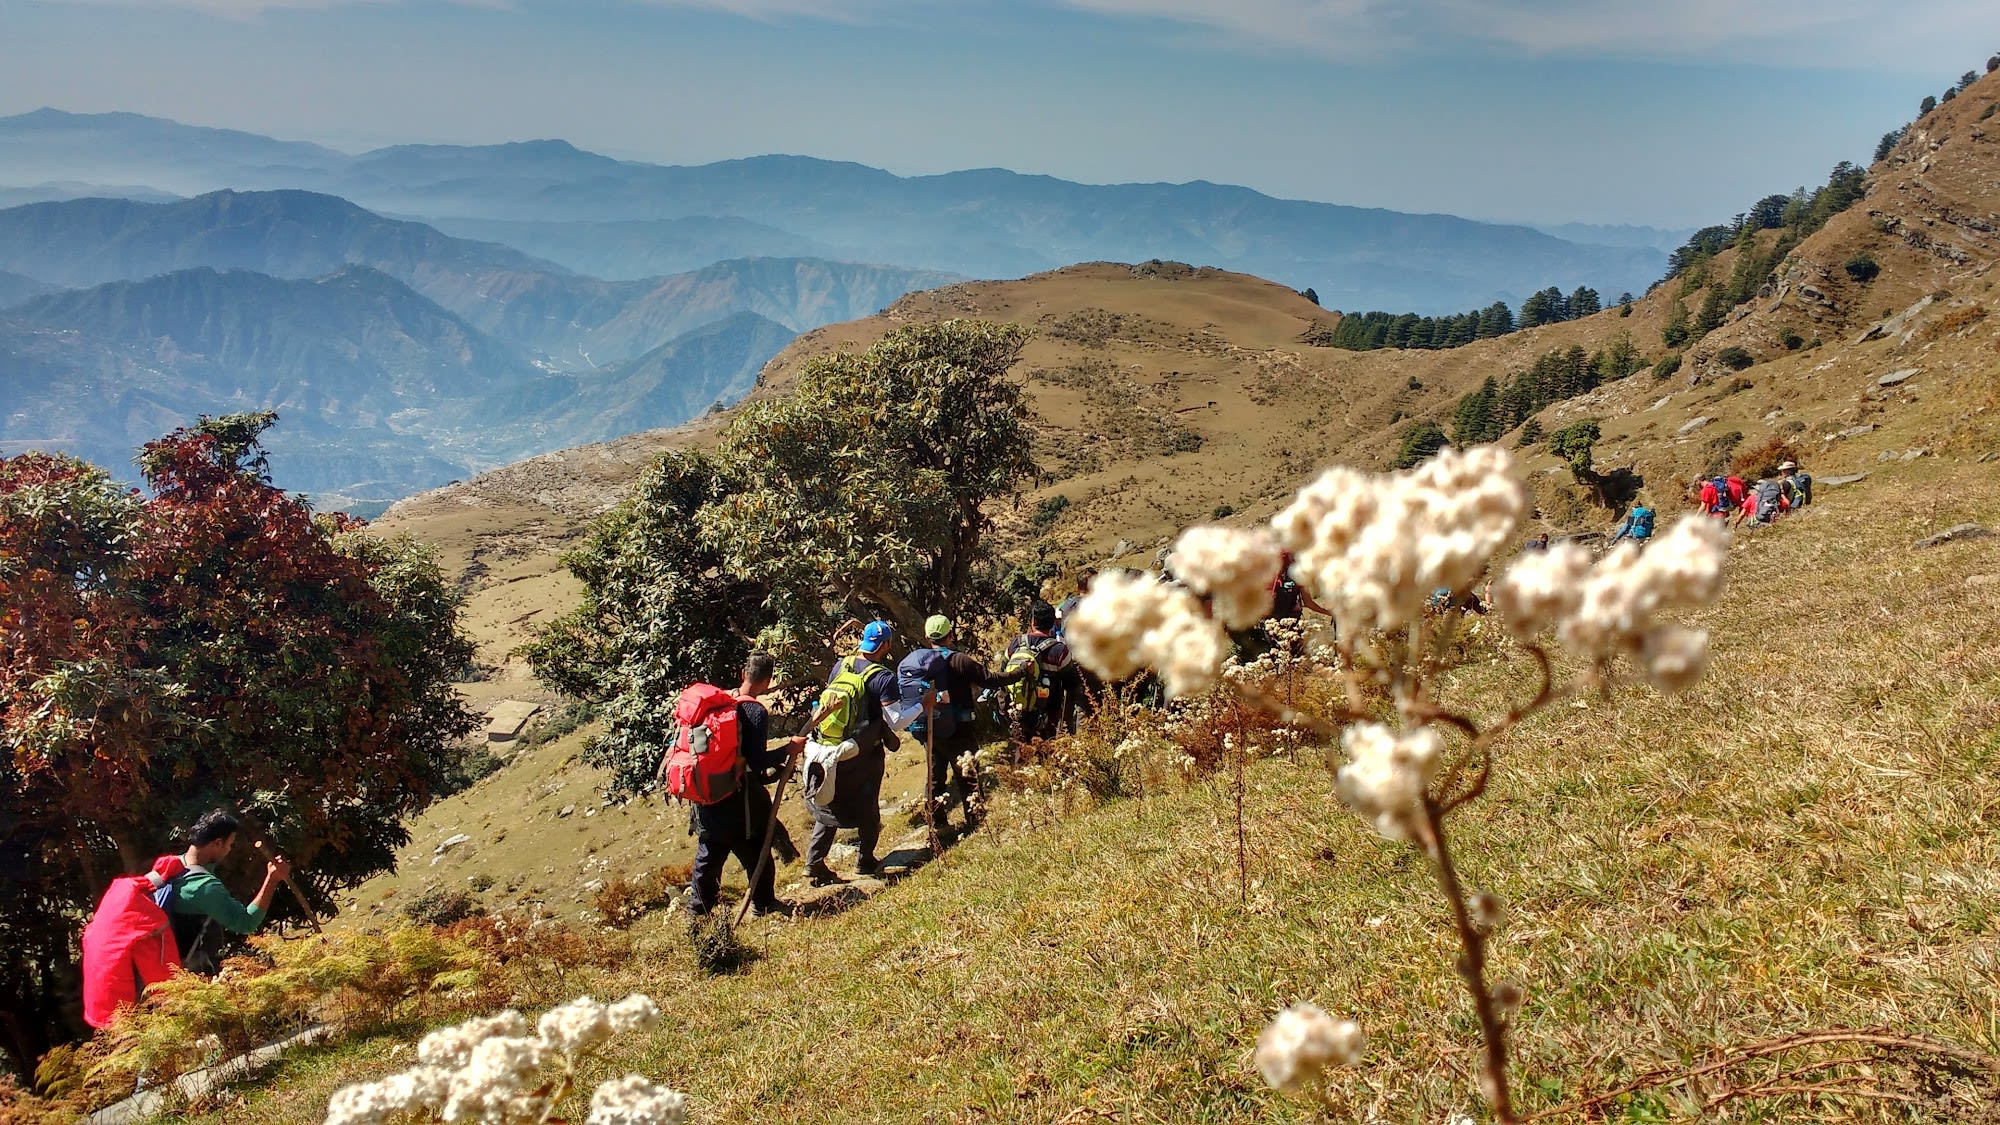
x=200 y=899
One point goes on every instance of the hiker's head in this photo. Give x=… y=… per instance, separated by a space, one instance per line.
x=938 y=628
x=876 y=637
x=1789 y=467
x=759 y=671
x=213 y=835
x=1084 y=580
x=1042 y=617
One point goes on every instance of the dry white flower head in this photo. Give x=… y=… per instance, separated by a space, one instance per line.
x=574 y=1027
x=364 y=1103
x=1508 y=996
x=633 y=1100
x=1133 y=621
x=1674 y=656
x=1373 y=548
x=451 y=1047
x=1541 y=589
x=636 y=1012
x=1388 y=774
x=1299 y=1044
x=1235 y=569
x=490 y=1086
x=1629 y=586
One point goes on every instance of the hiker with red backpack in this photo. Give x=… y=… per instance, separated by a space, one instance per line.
x=721 y=760
x=148 y=925
x=853 y=729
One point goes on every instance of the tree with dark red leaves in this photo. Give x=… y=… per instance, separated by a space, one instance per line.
x=214 y=643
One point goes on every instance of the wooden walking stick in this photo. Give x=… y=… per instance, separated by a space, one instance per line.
x=257 y=845
x=770 y=834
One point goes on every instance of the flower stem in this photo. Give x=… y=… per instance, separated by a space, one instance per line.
x=1471 y=967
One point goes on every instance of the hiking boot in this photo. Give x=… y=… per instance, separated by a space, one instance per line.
x=824 y=876
x=777 y=906
x=867 y=865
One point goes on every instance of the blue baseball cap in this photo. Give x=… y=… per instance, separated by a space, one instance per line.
x=876 y=636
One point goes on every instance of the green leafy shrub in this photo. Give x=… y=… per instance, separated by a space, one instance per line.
x=1735 y=358
x=1862 y=268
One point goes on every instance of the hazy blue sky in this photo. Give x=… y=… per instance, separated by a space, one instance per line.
x=1652 y=111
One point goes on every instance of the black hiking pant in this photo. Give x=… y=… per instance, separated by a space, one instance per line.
x=732 y=827
x=857 y=803
x=949 y=784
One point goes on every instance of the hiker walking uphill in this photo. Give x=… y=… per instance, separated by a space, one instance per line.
x=1047 y=693
x=171 y=917
x=735 y=820
x=947 y=729
x=847 y=752
x=1797 y=484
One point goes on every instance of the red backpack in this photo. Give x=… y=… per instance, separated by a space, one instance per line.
x=703 y=765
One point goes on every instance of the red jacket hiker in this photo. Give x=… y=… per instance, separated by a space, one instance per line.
x=128 y=943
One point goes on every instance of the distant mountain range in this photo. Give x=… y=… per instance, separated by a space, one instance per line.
x=982 y=223
x=421 y=312
x=382 y=392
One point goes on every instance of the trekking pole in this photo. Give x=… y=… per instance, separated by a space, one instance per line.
x=771 y=827
x=930 y=779
x=257 y=844
x=764 y=854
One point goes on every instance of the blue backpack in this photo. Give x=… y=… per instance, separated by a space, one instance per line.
x=1642 y=523
x=928 y=668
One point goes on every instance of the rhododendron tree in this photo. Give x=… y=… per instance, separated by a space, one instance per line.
x=1377 y=551
x=213 y=643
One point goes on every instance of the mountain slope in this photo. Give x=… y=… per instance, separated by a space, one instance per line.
x=280 y=233
x=381 y=391
x=377 y=385
x=985 y=222
x=15 y=288
x=633 y=249
x=116 y=148
x=579 y=322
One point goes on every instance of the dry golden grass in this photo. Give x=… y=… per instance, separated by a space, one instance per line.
x=1804 y=840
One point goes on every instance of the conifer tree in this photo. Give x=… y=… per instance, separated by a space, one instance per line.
x=1675 y=333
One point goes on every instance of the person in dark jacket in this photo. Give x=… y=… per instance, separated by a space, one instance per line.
x=951 y=723
x=1053 y=713
x=736 y=825
x=857 y=799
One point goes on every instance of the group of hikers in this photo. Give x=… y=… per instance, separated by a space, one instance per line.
x=1728 y=497
x=723 y=757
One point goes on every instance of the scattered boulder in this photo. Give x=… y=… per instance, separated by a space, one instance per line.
x=452 y=842
x=1856 y=431
x=1982 y=580
x=1836 y=482
x=1661 y=401
x=565 y=810
x=1952 y=534
x=1912 y=454
x=1897 y=378
x=1692 y=425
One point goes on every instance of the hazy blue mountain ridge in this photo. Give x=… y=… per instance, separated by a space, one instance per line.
x=982 y=222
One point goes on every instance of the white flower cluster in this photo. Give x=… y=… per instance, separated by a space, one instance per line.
x=1387 y=775
x=1299 y=1044
x=1234 y=569
x=1611 y=608
x=1373 y=547
x=1133 y=621
x=484 y=1070
x=633 y=1100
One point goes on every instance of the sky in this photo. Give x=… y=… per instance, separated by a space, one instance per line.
x=1660 y=112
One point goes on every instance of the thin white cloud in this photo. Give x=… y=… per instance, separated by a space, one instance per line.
x=1703 y=30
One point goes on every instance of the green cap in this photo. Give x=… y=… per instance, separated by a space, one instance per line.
x=938 y=627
